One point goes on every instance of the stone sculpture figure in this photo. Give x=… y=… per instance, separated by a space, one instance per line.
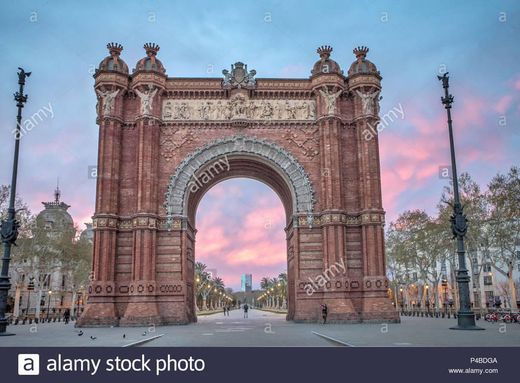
x=108 y=100
x=311 y=110
x=367 y=100
x=205 y=111
x=330 y=99
x=146 y=99
x=267 y=110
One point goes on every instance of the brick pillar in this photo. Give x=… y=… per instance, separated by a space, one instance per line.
x=333 y=206
x=376 y=304
x=101 y=309
x=333 y=232
x=142 y=306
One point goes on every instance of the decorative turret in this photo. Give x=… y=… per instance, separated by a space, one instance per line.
x=150 y=62
x=362 y=65
x=364 y=84
x=113 y=62
x=325 y=64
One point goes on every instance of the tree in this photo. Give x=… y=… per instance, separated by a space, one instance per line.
x=23 y=214
x=504 y=225
x=476 y=209
x=415 y=244
x=202 y=282
x=264 y=283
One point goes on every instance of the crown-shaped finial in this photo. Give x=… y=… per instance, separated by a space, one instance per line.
x=360 y=52
x=151 y=49
x=324 y=51
x=114 y=48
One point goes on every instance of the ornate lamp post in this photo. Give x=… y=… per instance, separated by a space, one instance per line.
x=459 y=226
x=9 y=227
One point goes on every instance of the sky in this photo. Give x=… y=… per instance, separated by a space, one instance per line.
x=62 y=42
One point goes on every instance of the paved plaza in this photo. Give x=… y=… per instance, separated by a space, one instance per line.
x=267 y=329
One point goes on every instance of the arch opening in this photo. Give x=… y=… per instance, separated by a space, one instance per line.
x=240 y=231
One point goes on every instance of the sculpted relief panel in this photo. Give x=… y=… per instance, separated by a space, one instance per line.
x=238 y=107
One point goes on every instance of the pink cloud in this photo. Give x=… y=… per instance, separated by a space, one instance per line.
x=503 y=104
x=517 y=84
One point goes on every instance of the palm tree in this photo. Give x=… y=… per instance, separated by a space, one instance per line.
x=201 y=283
x=282 y=288
x=217 y=290
x=264 y=283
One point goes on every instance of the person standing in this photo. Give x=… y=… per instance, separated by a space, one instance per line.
x=66 y=316
x=246 y=308
x=324 y=312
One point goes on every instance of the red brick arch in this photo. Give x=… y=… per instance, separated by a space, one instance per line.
x=311 y=140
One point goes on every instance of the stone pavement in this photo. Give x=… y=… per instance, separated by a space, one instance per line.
x=267 y=329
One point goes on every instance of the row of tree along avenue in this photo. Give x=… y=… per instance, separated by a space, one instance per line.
x=274 y=292
x=211 y=292
x=421 y=254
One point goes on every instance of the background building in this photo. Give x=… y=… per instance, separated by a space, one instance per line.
x=246 y=283
x=50 y=266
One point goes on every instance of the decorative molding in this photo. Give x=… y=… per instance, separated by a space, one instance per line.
x=305 y=140
x=170 y=141
x=279 y=158
x=104 y=223
x=238 y=107
x=318 y=220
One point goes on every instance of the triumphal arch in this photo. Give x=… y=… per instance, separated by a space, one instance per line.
x=165 y=140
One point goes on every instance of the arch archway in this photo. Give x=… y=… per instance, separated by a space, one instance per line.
x=305 y=138
x=233 y=157
x=241 y=230
x=282 y=171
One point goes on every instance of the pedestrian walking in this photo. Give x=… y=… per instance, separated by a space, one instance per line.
x=66 y=316
x=324 y=312
x=246 y=307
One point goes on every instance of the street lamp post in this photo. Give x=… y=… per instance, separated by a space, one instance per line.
x=49 y=305
x=459 y=226
x=445 y=302
x=28 y=303
x=427 y=299
x=9 y=226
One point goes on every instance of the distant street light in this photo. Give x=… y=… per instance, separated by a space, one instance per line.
x=49 y=305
